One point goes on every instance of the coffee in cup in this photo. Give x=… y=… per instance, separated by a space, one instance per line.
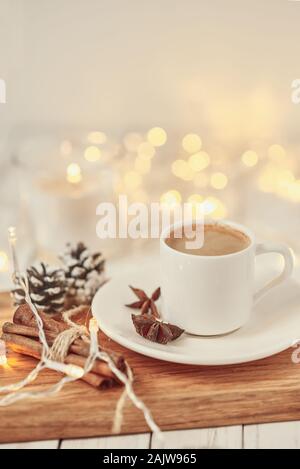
x=218 y=240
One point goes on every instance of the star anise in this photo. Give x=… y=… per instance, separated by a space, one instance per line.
x=145 y=303
x=150 y=328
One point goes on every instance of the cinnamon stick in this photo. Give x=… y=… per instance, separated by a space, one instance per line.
x=78 y=347
x=24 y=316
x=82 y=348
x=101 y=376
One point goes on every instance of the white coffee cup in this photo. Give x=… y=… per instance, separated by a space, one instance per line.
x=212 y=295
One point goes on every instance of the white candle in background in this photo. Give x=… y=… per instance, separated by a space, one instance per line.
x=64 y=207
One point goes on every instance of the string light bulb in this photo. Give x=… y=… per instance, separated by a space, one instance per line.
x=199 y=161
x=92 y=154
x=12 y=239
x=68 y=369
x=74 y=175
x=12 y=234
x=250 y=158
x=178 y=167
x=214 y=207
x=181 y=169
x=73 y=372
x=3 y=358
x=218 y=180
x=157 y=136
x=146 y=150
x=191 y=143
x=93 y=329
x=93 y=326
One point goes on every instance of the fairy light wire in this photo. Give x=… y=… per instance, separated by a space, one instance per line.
x=12 y=239
x=47 y=362
x=127 y=380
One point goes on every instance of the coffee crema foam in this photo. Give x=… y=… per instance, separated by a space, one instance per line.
x=219 y=240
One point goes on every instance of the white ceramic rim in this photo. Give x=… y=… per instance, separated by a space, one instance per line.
x=238 y=226
x=182 y=358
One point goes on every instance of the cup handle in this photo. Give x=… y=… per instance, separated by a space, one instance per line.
x=287 y=269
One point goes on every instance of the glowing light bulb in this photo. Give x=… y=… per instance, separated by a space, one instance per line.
x=250 y=158
x=93 y=325
x=218 y=180
x=191 y=143
x=73 y=371
x=12 y=234
x=214 y=207
x=178 y=167
x=3 y=261
x=157 y=136
x=93 y=328
x=181 y=169
x=208 y=206
x=146 y=150
x=92 y=153
x=3 y=358
x=170 y=198
x=97 y=138
x=74 y=175
x=199 y=161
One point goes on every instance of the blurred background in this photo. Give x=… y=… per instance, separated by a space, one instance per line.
x=163 y=100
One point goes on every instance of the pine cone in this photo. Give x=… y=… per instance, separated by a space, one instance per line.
x=84 y=273
x=47 y=288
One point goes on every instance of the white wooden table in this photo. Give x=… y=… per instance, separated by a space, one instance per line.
x=266 y=436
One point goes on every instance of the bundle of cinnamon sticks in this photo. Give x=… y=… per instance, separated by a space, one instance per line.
x=22 y=336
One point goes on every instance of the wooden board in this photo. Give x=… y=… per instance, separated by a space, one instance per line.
x=179 y=396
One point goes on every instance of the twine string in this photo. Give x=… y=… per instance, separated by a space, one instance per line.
x=94 y=353
x=57 y=353
x=25 y=285
x=62 y=342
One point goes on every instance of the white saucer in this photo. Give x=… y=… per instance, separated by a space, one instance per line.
x=274 y=326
